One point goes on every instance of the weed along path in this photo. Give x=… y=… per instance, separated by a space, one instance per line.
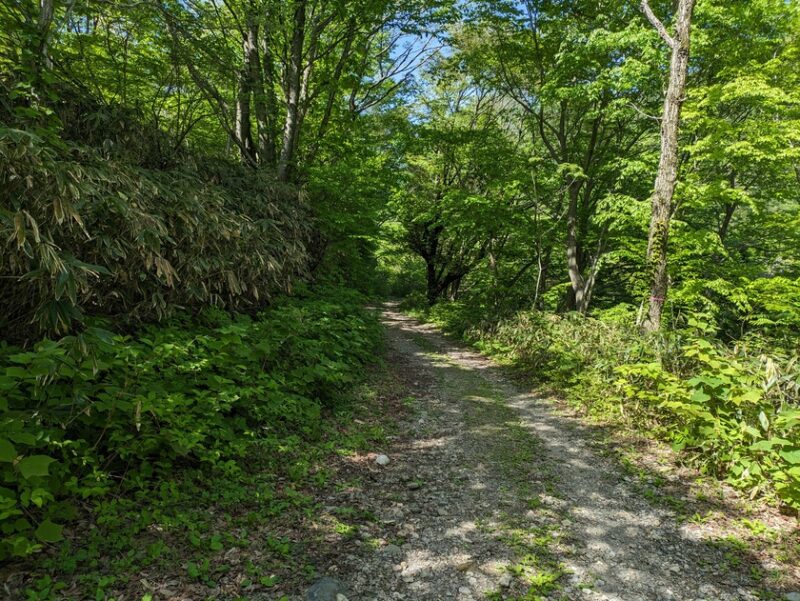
x=490 y=494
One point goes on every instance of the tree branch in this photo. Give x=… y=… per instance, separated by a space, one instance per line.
x=654 y=21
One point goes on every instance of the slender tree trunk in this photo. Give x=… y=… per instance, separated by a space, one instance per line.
x=730 y=208
x=726 y=220
x=264 y=112
x=243 y=99
x=667 y=177
x=543 y=264
x=293 y=89
x=578 y=297
x=46 y=14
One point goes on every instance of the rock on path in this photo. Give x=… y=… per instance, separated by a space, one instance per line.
x=491 y=493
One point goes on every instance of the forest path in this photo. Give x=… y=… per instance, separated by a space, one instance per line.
x=490 y=492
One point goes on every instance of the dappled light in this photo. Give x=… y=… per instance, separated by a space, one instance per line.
x=611 y=541
x=399 y=300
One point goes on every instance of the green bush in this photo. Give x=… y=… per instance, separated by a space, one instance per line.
x=86 y=414
x=734 y=414
x=84 y=235
x=766 y=306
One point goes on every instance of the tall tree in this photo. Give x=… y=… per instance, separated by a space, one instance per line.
x=568 y=66
x=664 y=190
x=457 y=196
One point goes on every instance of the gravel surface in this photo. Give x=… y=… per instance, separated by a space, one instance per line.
x=491 y=494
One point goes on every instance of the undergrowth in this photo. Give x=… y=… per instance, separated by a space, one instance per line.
x=105 y=437
x=84 y=232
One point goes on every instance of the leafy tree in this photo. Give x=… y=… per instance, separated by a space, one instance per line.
x=460 y=184
x=572 y=70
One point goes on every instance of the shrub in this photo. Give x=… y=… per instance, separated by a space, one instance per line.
x=85 y=236
x=86 y=414
x=734 y=414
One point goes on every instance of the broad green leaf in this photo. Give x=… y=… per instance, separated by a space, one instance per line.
x=49 y=532
x=792 y=457
x=35 y=465
x=768 y=445
x=751 y=396
x=7 y=451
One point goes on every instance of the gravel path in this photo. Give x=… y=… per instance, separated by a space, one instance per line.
x=491 y=495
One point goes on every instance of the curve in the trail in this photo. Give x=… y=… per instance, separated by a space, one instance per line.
x=493 y=495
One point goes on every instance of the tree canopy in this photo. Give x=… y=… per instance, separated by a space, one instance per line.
x=199 y=198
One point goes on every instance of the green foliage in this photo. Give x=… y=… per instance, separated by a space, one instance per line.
x=192 y=393
x=83 y=235
x=460 y=184
x=575 y=85
x=165 y=162
x=732 y=413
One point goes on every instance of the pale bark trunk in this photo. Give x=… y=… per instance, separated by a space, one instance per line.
x=667 y=177
x=269 y=125
x=46 y=14
x=293 y=85
x=264 y=147
x=243 y=99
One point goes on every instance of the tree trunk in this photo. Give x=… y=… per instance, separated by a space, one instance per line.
x=293 y=85
x=453 y=288
x=578 y=297
x=543 y=263
x=258 y=56
x=726 y=221
x=246 y=86
x=46 y=15
x=667 y=177
x=432 y=291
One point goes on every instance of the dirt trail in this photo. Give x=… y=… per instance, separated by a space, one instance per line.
x=491 y=494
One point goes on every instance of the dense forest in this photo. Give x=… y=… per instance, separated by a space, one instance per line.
x=202 y=202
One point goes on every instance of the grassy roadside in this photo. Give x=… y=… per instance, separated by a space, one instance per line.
x=215 y=440
x=740 y=524
x=239 y=536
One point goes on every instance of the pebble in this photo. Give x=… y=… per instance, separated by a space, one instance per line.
x=393 y=551
x=465 y=565
x=326 y=589
x=437 y=499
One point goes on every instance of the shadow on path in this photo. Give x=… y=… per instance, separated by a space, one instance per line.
x=468 y=500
